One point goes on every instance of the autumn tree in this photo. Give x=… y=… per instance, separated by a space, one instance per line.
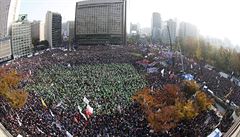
x=226 y=59
x=9 y=82
x=234 y=61
x=164 y=119
x=159 y=113
x=186 y=110
x=144 y=98
x=190 y=87
x=165 y=107
x=203 y=102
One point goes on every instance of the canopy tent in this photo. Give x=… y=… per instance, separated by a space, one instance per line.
x=152 y=70
x=215 y=133
x=187 y=77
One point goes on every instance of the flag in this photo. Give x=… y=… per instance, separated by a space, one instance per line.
x=51 y=112
x=162 y=72
x=89 y=111
x=80 y=111
x=75 y=120
x=18 y=119
x=43 y=103
x=86 y=100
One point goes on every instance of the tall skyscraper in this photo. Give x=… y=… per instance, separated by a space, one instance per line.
x=187 y=30
x=68 y=29
x=100 y=22
x=134 y=29
x=5 y=49
x=169 y=31
x=71 y=28
x=145 y=31
x=42 y=31
x=156 y=27
x=35 y=30
x=53 y=29
x=21 y=37
x=8 y=14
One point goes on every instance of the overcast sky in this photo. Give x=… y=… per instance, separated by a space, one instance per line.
x=218 y=18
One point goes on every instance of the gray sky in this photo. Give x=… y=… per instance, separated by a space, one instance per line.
x=218 y=18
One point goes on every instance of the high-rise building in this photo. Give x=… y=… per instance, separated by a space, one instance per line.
x=42 y=31
x=156 y=27
x=134 y=29
x=71 y=28
x=187 y=30
x=145 y=31
x=5 y=49
x=8 y=14
x=164 y=34
x=21 y=37
x=53 y=29
x=169 y=31
x=100 y=22
x=35 y=30
x=64 y=28
x=68 y=30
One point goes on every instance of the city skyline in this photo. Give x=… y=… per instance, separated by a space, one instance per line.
x=208 y=16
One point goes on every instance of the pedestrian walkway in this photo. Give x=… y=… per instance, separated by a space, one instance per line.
x=234 y=131
x=4 y=132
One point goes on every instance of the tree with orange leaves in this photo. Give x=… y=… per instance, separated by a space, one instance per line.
x=159 y=107
x=186 y=110
x=166 y=107
x=202 y=101
x=9 y=82
x=190 y=87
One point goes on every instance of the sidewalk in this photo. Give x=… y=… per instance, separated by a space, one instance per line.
x=4 y=132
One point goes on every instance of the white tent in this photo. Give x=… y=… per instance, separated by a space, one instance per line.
x=222 y=74
x=215 y=133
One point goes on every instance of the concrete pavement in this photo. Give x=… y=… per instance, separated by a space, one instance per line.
x=4 y=132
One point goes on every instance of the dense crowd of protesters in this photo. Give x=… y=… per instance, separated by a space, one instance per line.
x=55 y=120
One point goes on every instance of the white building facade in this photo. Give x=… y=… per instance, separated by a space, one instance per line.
x=8 y=14
x=21 y=39
x=42 y=31
x=5 y=49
